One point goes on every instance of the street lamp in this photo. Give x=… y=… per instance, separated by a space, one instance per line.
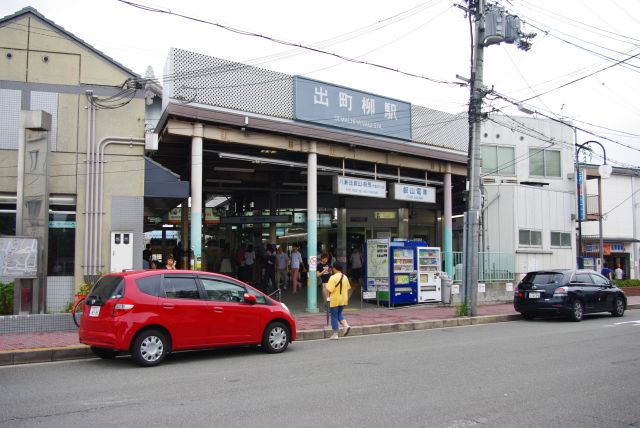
x=604 y=172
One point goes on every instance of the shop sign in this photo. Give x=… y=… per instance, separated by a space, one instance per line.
x=62 y=225
x=406 y=192
x=343 y=185
x=385 y=215
x=333 y=105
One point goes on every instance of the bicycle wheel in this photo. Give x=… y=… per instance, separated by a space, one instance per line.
x=77 y=311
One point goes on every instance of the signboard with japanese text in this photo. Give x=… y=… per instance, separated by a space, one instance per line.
x=333 y=105
x=377 y=265
x=406 y=192
x=343 y=185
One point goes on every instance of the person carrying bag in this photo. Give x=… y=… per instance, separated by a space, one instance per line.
x=338 y=290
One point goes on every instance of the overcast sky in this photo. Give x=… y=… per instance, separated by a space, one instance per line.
x=576 y=39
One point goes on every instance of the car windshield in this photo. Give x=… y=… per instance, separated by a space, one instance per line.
x=541 y=278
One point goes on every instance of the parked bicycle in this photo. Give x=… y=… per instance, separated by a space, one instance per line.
x=78 y=309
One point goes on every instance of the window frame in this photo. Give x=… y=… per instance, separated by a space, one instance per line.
x=163 y=292
x=498 y=170
x=560 y=236
x=544 y=152
x=529 y=244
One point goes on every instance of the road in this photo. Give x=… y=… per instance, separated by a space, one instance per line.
x=540 y=373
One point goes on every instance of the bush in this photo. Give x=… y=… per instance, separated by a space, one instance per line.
x=627 y=282
x=6 y=298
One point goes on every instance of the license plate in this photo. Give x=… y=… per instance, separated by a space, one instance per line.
x=94 y=311
x=532 y=295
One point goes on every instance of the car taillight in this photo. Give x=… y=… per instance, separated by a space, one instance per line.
x=561 y=291
x=122 y=307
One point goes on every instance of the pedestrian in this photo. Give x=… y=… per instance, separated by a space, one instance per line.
x=338 y=289
x=356 y=265
x=619 y=273
x=269 y=278
x=240 y=263
x=226 y=267
x=171 y=263
x=146 y=253
x=282 y=267
x=323 y=272
x=153 y=264
x=178 y=254
x=606 y=272
x=296 y=263
x=249 y=261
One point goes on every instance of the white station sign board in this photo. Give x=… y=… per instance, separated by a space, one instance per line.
x=343 y=185
x=407 y=192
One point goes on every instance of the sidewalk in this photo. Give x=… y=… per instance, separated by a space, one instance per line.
x=64 y=345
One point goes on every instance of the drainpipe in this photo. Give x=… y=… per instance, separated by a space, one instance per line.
x=100 y=183
x=88 y=187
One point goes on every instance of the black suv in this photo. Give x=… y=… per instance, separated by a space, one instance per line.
x=568 y=292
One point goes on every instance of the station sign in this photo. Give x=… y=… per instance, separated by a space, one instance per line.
x=406 y=192
x=343 y=185
x=331 y=105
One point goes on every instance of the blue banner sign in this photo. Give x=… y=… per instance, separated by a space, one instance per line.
x=332 y=105
x=582 y=194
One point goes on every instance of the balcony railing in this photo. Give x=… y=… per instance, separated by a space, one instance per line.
x=492 y=267
x=592 y=205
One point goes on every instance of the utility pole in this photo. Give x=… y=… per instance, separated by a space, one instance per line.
x=472 y=218
x=492 y=26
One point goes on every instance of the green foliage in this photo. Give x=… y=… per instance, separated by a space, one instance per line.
x=6 y=298
x=462 y=310
x=627 y=282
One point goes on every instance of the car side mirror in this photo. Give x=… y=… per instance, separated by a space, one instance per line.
x=249 y=298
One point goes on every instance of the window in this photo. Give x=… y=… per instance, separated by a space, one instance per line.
x=544 y=163
x=150 y=285
x=599 y=279
x=108 y=287
x=560 y=239
x=532 y=238
x=260 y=299
x=222 y=291
x=498 y=160
x=180 y=287
x=584 y=278
x=62 y=236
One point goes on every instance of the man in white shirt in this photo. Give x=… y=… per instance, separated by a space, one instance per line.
x=296 y=264
x=619 y=273
x=282 y=266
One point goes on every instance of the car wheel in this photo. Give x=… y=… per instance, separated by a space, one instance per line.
x=275 y=338
x=618 y=307
x=527 y=315
x=577 y=311
x=104 y=353
x=149 y=348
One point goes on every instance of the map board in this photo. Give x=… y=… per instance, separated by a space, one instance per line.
x=377 y=265
x=18 y=257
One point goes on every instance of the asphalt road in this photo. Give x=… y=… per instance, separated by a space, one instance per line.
x=543 y=373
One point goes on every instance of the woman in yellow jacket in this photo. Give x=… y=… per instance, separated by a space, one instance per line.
x=338 y=289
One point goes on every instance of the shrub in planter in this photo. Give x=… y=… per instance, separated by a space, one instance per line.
x=6 y=298
x=627 y=282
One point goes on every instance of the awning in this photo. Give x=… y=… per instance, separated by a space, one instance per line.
x=163 y=189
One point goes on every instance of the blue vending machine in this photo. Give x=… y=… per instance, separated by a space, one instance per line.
x=403 y=272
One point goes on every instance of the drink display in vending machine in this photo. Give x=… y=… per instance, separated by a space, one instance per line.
x=429 y=280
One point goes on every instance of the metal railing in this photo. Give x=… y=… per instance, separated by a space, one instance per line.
x=492 y=267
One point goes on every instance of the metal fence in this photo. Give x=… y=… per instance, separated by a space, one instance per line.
x=492 y=267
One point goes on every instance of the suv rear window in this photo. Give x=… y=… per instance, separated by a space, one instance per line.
x=108 y=287
x=541 y=278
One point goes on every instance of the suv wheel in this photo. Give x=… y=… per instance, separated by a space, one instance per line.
x=577 y=311
x=104 y=353
x=149 y=348
x=275 y=338
x=618 y=307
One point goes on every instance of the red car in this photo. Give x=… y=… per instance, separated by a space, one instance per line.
x=153 y=312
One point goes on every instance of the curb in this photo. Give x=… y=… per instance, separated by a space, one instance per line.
x=78 y=352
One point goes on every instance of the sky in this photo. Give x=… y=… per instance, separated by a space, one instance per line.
x=572 y=72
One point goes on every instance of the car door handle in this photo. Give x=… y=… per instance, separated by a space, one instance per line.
x=168 y=305
x=218 y=309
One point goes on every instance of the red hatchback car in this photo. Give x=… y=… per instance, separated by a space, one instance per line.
x=153 y=312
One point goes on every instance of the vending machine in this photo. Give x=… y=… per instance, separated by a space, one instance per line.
x=429 y=267
x=403 y=277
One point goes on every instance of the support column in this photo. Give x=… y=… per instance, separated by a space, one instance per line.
x=447 y=225
x=403 y=223
x=196 y=194
x=184 y=235
x=342 y=250
x=312 y=227
x=272 y=211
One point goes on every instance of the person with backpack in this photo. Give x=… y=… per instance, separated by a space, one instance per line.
x=338 y=290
